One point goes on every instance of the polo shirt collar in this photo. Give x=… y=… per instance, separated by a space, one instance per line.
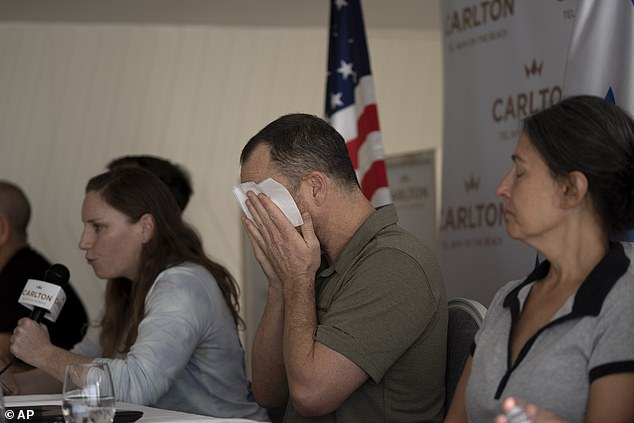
x=589 y=297
x=381 y=218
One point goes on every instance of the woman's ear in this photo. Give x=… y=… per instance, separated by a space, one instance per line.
x=575 y=188
x=147 y=227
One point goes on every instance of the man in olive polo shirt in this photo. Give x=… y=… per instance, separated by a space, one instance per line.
x=354 y=327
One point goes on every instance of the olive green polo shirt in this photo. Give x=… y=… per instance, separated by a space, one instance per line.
x=382 y=305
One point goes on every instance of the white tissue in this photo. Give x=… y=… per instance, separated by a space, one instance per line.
x=276 y=192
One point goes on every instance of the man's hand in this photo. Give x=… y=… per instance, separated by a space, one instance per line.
x=284 y=253
x=289 y=259
x=29 y=340
x=253 y=234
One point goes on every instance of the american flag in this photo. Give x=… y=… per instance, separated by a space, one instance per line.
x=350 y=102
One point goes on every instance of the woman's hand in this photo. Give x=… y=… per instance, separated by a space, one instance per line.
x=30 y=341
x=533 y=413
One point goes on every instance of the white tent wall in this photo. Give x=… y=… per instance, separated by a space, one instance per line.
x=74 y=95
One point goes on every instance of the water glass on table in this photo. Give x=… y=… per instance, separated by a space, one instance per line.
x=88 y=394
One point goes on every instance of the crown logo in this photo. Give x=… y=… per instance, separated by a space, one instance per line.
x=534 y=69
x=471 y=184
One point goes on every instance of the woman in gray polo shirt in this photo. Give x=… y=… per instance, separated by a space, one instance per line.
x=563 y=338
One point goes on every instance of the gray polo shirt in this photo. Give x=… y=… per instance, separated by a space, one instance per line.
x=382 y=305
x=591 y=336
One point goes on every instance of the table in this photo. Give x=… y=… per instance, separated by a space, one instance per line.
x=150 y=414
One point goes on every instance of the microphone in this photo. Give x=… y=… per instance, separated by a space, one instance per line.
x=46 y=298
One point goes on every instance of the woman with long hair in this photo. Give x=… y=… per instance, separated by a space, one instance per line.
x=169 y=329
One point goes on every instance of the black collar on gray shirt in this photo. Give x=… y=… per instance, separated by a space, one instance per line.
x=592 y=292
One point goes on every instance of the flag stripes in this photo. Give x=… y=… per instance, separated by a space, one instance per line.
x=350 y=101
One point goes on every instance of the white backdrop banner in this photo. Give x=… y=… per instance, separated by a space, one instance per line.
x=503 y=60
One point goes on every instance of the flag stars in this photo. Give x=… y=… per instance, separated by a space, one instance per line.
x=335 y=100
x=340 y=4
x=346 y=70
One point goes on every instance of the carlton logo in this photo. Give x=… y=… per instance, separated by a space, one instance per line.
x=477 y=15
x=40 y=296
x=534 y=69
x=473 y=216
x=471 y=184
x=525 y=103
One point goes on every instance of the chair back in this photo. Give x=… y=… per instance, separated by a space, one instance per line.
x=465 y=318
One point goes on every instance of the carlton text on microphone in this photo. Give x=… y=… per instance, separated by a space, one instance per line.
x=44 y=295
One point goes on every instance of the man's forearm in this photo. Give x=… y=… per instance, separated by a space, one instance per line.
x=319 y=378
x=269 y=376
x=300 y=323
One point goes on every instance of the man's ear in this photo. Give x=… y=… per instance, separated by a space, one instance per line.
x=575 y=188
x=5 y=230
x=147 y=227
x=318 y=186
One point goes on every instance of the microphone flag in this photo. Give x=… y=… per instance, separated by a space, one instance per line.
x=45 y=295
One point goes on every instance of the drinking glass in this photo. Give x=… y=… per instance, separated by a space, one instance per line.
x=88 y=394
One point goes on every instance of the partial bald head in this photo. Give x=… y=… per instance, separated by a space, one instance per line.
x=15 y=207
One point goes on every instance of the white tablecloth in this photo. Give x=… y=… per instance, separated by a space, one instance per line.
x=150 y=414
